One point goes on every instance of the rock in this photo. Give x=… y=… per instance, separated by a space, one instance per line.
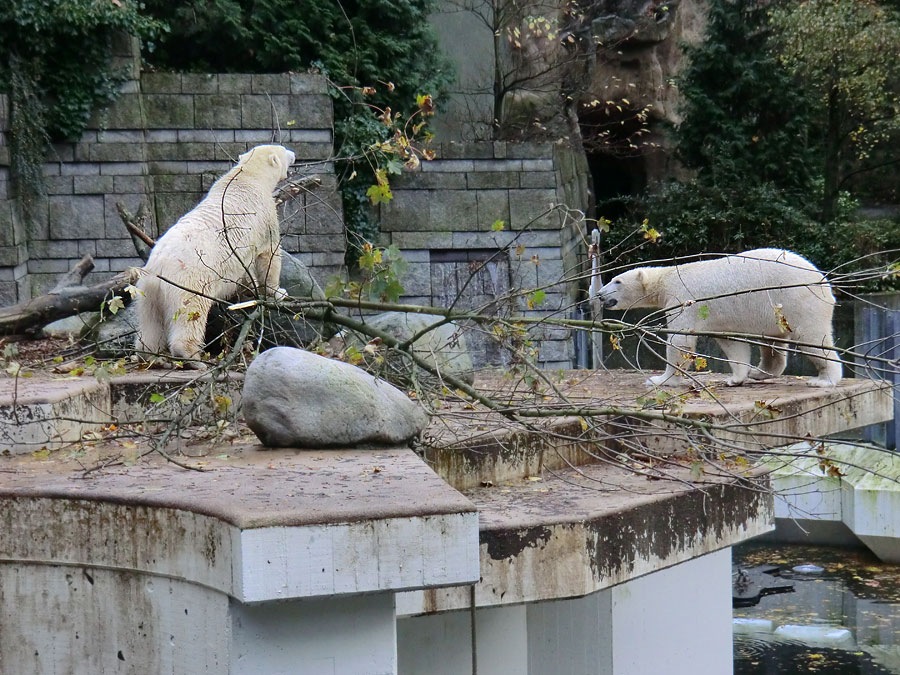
x=445 y=346
x=298 y=332
x=297 y=280
x=71 y=326
x=293 y=398
x=112 y=333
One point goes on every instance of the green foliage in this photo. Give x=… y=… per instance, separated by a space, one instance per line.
x=844 y=54
x=380 y=55
x=56 y=66
x=745 y=121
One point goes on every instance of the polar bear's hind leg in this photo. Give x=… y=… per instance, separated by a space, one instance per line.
x=187 y=333
x=738 y=355
x=772 y=363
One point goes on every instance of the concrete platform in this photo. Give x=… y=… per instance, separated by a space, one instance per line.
x=861 y=505
x=583 y=532
x=471 y=447
x=347 y=561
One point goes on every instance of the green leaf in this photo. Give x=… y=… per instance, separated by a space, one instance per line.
x=394 y=166
x=703 y=311
x=536 y=299
x=157 y=398
x=380 y=194
x=696 y=469
x=498 y=226
x=335 y=287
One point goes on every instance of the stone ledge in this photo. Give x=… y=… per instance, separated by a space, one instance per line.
x=503 y=451
x=561 y=538
x=258 y=525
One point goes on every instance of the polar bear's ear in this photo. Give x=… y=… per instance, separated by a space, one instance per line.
x=640 y=277
x=275 y=160
x=242 y=159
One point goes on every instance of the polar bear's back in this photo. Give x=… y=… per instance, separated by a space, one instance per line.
x=759 y=291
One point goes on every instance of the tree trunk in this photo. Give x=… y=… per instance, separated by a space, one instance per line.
x=832 y=162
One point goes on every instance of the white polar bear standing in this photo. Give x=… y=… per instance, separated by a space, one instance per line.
x=767 y=292
x=228 y=242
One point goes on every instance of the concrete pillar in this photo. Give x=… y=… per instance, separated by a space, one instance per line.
x=327 y=636
x=674 y=621
x=441 y=644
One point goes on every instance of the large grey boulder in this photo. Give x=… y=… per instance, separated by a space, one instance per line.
x=294 y=330
x=297 y=399
x=297 y=280
x=443 y=347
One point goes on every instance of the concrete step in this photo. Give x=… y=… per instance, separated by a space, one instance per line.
x=45 y=412
x=38 y=414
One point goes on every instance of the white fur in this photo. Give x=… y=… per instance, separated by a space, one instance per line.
x=780 y=284
x=228 y=242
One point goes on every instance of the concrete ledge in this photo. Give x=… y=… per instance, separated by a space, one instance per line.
x=258 y=525
x=863 y=500
x=37 y=413
x=574 y=535
x=469 y=448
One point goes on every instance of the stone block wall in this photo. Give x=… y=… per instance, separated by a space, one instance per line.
x=442 y=217
x=165 y=140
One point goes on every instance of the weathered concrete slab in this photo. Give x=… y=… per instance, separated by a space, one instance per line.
x=828 y=488
x=255 y=525
x=470 y=447
x=39 y=413
x=589 y=530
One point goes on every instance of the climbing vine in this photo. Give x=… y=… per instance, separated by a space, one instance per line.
x=55 y=63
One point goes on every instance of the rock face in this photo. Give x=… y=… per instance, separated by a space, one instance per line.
x=296 y=399
x=445 y=346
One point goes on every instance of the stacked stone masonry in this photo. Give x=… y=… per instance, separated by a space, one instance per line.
x=442 y=218
x=169 y=136
x=164 y=141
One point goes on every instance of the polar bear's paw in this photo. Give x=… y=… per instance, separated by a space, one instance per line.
x=820 y=382
x=663 y=380
x=734 y=381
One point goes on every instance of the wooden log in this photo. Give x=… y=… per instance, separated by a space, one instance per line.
x=31 y=315
x=75 y=275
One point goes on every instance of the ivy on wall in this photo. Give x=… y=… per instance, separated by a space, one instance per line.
x=55 y=64
x=379 y=54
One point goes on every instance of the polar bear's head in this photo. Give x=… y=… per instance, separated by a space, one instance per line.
x=628 y=290
x=267 y=159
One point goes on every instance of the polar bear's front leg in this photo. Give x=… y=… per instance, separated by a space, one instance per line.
x=676 y=348
x=268 y=271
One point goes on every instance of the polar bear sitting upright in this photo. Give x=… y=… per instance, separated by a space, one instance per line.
x=767 y=292
x=228 y=242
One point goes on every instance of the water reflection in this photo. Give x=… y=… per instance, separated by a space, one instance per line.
x=855 y=591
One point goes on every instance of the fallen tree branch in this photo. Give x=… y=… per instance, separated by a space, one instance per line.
x=293 y=187
x=29 y=316
x=74 y=276
x=136 y=226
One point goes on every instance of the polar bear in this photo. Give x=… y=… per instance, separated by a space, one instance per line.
x=767 y=292
x=228 y=242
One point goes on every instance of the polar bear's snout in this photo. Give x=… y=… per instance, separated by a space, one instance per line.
x=606 y=300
